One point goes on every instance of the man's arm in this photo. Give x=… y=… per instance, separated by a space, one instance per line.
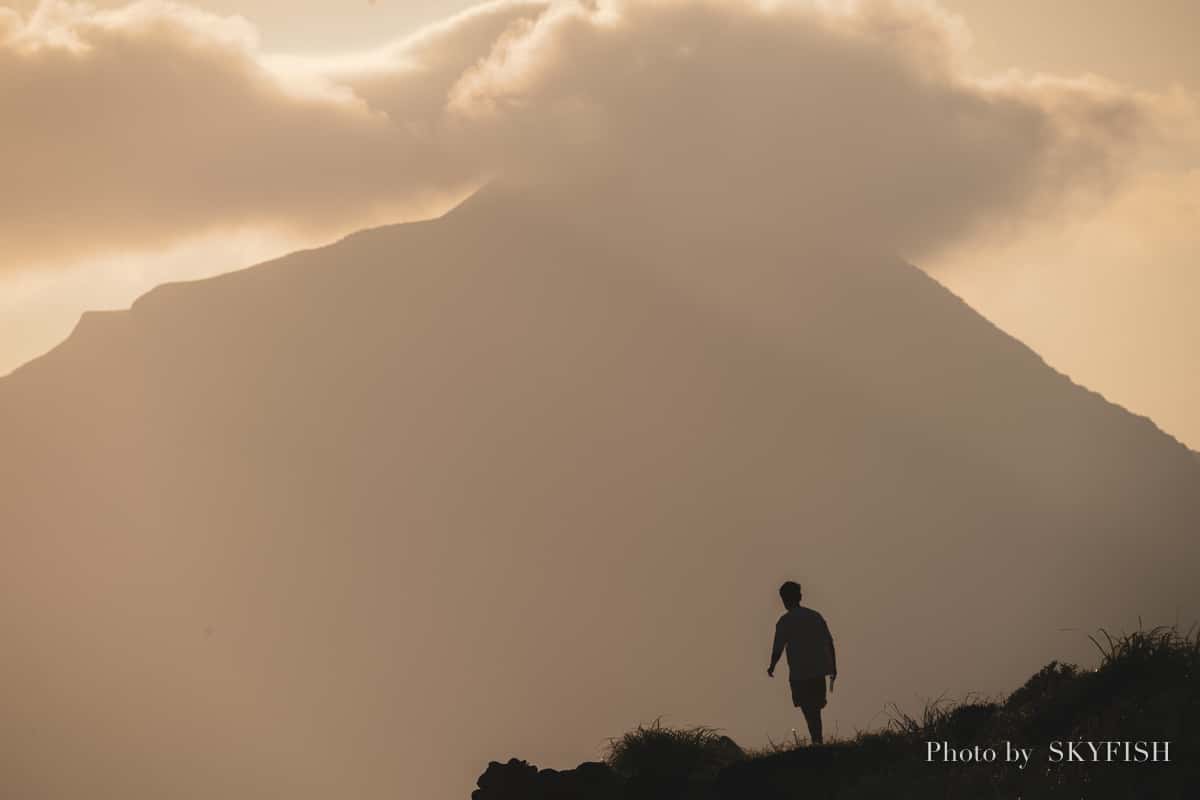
x=832 y=651
x=777 y=647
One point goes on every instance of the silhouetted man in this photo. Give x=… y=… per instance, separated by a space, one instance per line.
x=804 y=634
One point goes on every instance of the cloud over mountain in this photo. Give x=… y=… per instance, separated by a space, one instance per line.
x=157 y=121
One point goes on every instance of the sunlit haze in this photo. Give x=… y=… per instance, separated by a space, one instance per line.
x=691 y=297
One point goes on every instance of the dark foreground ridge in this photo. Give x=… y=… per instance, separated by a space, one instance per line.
x=1144 y=691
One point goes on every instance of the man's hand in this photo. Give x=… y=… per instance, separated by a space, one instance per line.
x=771 y=671
x=832 y=678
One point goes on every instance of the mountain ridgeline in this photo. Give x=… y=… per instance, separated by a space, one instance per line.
x=356 y=521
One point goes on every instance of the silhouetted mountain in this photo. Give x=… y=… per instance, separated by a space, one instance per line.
x=352 y=522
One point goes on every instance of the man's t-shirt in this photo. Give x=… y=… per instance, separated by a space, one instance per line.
x=805 y=636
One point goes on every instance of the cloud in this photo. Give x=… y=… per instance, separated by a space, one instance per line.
x=140 y=126
x=854 y=118
x=156 y=122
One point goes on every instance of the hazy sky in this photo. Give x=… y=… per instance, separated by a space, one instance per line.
x=1149 y=44
x=1040 y=159
x=157 y=143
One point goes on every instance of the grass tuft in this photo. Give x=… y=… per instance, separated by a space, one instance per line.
x=695 y=753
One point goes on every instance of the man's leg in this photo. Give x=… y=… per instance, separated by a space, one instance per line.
x=808 y=694
x=812 y=715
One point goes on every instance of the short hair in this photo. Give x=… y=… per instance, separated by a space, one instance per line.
x=790 y=593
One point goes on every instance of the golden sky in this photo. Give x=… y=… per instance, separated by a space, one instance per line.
x=163 y=141
x=1040 y=159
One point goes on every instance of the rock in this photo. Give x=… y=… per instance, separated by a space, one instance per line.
x=514 y=780
x=519 y=780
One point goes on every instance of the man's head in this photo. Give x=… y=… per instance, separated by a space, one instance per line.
x=790 y=594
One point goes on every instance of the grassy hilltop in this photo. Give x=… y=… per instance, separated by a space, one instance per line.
x=1144 y=689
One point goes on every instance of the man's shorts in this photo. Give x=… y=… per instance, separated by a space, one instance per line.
x=808 y=693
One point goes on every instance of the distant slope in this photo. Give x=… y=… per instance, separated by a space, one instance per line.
x=364 y=517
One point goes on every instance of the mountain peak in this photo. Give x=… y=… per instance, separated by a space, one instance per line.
x=531 y=457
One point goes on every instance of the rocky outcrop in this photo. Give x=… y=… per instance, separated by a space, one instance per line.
x=520 y=780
